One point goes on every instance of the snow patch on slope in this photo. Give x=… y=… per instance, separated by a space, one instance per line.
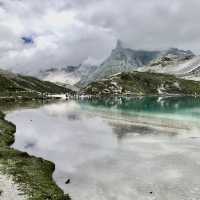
x=188 y=69
x=62 y=77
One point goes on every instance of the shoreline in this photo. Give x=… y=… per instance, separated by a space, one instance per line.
x=31 y=176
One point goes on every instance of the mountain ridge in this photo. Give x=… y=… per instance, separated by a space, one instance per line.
x=127 y=60
x=121 y=59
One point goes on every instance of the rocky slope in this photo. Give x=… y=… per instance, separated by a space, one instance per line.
x=186 y=66
x=142 y=83
x=121 y=59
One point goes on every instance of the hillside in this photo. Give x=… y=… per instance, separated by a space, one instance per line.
x=12 y=84
x=142 y=83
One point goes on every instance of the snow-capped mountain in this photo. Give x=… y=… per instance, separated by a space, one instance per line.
x=128 y=60
x=189 y=69
x=192 y=69
x=172 y=61
x=182 y=64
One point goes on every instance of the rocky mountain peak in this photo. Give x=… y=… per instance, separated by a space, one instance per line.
x=121 y=59
x=119 y=44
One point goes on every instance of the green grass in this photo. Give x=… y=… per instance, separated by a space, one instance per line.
x=15 y=85
x=143 y=83
x=34 y=175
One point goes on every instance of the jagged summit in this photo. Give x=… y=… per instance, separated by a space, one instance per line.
x=119 y=44
x=122 y=59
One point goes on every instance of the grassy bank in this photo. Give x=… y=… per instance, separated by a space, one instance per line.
x=33 y=175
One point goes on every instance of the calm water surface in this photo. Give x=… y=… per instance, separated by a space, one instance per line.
x=141 y=149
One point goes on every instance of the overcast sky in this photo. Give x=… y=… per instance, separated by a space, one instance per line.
x=38 y=34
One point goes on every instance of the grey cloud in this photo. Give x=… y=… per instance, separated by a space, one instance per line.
x=68 y=32
x=150 y=24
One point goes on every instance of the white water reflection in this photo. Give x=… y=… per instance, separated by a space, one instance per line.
x=103 y=166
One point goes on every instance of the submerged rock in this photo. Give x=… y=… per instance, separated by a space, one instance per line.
x=68 y=181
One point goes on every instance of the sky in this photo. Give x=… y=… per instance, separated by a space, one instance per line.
x=40 y=34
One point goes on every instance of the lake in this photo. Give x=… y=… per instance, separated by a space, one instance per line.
x=119 y=149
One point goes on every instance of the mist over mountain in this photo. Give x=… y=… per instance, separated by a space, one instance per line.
x=121 y=59
x=67 y=75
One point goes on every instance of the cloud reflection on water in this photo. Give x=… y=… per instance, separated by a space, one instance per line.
x=101 y=165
